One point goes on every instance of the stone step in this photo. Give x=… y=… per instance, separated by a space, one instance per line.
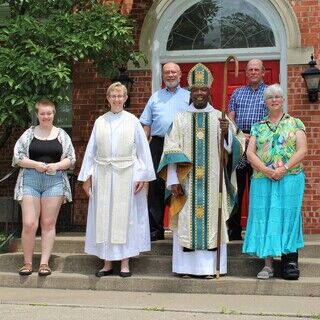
x=151 y=265
x=72 y=269
x=63 y=244
x=306 y=286
x=75 y=244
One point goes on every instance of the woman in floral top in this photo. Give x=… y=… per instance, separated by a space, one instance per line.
x=276 y=149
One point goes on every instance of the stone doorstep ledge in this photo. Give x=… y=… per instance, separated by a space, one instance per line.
x=308 y=287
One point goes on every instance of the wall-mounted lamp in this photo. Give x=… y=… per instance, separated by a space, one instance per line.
x=123 y=77
x=312 y=79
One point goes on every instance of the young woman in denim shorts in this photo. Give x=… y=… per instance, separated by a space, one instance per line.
x=43 y=153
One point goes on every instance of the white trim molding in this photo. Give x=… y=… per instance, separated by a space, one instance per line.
x=279 y=13
x=282 y=7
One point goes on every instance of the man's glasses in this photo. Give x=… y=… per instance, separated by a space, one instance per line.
x=167 y=72
x=114 y=97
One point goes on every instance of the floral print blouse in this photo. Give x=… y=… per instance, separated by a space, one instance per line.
x=276 y=143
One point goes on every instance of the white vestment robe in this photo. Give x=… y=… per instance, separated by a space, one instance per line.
x=106 y=173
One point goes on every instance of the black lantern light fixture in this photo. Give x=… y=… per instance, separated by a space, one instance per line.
x=123 y=77
x=312 y=79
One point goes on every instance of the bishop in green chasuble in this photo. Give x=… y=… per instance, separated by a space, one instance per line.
x=190 y=165
x=191 y=149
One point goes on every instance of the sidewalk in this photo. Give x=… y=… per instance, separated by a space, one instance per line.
x=22 y=303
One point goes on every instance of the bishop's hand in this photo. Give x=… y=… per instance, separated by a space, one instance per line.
x=224 y=126
x=176 y=190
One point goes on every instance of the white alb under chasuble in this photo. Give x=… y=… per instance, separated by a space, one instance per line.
x=114 y=183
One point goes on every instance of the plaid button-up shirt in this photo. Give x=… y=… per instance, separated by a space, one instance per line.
x=248 y=105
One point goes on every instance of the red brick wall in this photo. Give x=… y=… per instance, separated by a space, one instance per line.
x=139 y=11
x=308 y=15
x=89 y=102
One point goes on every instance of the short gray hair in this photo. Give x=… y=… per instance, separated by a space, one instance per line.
x=271 y=90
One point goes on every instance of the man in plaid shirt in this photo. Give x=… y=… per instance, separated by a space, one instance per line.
x=245 y=108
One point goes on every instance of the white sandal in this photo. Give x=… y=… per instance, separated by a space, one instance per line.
x=265 y=273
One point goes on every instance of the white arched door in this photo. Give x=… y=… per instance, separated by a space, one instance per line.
x=209 y=31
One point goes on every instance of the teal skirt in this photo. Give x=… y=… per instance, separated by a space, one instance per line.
x=274 y=220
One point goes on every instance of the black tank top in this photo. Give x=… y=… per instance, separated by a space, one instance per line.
x=48 y=151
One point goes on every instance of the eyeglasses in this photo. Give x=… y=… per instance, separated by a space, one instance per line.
x=170 y=72
x=274 y=97
x=114 y=97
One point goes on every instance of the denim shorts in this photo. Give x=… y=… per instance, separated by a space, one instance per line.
x=41 y=184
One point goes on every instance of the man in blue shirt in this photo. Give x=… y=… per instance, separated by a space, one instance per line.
x=156 y=119
x=246 y=107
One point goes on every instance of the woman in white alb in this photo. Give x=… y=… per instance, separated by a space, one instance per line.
x=116 y=164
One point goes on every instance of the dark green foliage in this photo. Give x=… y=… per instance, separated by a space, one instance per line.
x=41 y=41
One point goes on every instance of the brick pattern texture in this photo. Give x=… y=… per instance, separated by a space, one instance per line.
x=89 y=101
x=308 y=15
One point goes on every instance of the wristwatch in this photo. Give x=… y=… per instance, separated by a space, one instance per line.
x=286 y=167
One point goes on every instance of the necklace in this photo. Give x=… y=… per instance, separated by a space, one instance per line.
x=44 y=134
x=274 y=129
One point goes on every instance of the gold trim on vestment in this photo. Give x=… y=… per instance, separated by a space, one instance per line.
x=199 y=211
x=200 y=170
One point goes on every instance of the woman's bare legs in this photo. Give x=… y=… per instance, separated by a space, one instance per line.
x=267 y=270
x=30 y=207
x=50 y=207
x=107 y=265
x=125 y=265
x=268 y=262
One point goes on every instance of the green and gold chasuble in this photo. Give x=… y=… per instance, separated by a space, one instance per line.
x=199 y=183
x=193 y=144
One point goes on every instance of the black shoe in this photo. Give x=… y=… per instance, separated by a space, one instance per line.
x=103 y=273
x=183 y=275
x=156 y=235
x=125 y=274
x=289 y=266
x=291 y=271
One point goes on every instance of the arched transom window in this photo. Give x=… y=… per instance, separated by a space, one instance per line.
x=220 y=24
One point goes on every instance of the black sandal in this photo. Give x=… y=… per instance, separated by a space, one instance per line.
x=44 y=270
x=26 y=269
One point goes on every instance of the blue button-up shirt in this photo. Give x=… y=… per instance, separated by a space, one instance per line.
x=162 y=107
x=248 y=105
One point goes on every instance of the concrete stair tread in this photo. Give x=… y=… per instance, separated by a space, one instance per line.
x=75 y=244
x=163 y=242
x=77 y=247
x=305 y=286
x=89 y=256
x=152 y=271
x=307 y=237
x=241 y=256
x=81 y=237
x=171 y=275
x=243 y=265
x=165 y=257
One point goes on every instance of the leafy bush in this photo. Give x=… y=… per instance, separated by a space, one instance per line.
x=2 y=237
x=41 y=41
